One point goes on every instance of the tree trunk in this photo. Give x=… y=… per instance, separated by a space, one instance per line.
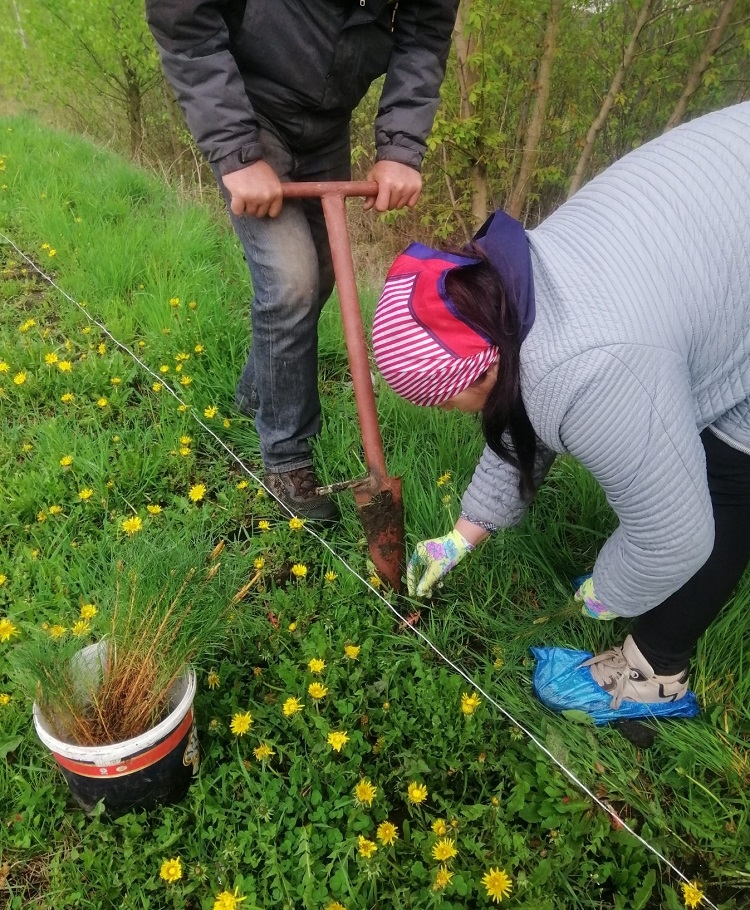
x=135 y=119
x=467 y=80
x=609 y=100
x=534 y=130
x=701 y=65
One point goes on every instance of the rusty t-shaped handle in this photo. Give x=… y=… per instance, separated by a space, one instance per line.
x=378 y=496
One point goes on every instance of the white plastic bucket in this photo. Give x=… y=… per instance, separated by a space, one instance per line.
x=156 y=766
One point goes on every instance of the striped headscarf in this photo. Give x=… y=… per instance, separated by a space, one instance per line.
x=424 y=349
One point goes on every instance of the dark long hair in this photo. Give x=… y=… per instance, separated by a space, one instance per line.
x=479 y=296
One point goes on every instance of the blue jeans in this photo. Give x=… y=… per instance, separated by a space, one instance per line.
x=292 y=274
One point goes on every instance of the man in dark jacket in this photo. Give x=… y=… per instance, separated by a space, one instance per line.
x=268 y=87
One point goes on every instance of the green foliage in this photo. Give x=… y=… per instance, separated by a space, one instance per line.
x=284 y=829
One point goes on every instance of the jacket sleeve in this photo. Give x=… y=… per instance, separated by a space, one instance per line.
x=193 y=43
x=633 y=426
x=422 y=35
x=492 y=499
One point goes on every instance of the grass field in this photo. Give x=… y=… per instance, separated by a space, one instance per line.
x=100 y=463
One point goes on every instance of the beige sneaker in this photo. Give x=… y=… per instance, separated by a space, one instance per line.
x=627 y=675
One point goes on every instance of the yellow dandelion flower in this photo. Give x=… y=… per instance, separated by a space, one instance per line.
x=259 y=562
x=181 y=356
x=174 y=301
x=264 y=525
x=439 y=827
x=19 y=378
x=185 y=440
x=57 y=631
x=366 y=848
x=157 y=387
x=7 y=629
x=67 y=397
x=692 y=893
x=335 y=905
x=66 y=461
x=292 y=706
x=444 y=850
x=259 y=494
x=316 y=665
x=199 y=348
x=263 y=752
x=3 y=579
x=41 y=517
x=184 y=451
x=299 y=570
x=164 y=368
x=241 y=723
x=55 y=510
x=197 y=492
x=132 y=525
x=27 y=447
x=115 y=380
x=88 y=611
x=365 y=792
x=154 y=509
x=102 y=402
x=226 y=422
x=171 y=870
x=4 y=368
x=51 y=358
x=296 y=524
x=242 y=485
x=375 y=581
x=81 y=627
x=292 y=627
x=498 y=884
x=444 y=479
x=338 y=739
x=387 y=833
x=210 y=411
x=85 y=494
x=470 y=703
x=65 y=366
x=330 y=576
x=417 y=793
x=51 y=253
x=442 y=879
x=352 y=651
x=227 y=900
x=182 y=408
x=5 y=699
x=317 y=690
x=102 y=349
x=186 y=380
x=213 y=679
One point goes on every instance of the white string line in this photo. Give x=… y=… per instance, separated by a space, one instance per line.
x=340 y=559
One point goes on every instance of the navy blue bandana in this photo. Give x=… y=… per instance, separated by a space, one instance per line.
x=503 y=240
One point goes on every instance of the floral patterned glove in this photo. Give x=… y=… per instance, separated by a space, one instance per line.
x=432 y=560
x=592 y=607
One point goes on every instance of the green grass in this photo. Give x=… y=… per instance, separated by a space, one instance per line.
x=285 y=832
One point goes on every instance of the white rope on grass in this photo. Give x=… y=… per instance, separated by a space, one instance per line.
x=620 y=822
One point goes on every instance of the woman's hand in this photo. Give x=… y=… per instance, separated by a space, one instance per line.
x=433 y=559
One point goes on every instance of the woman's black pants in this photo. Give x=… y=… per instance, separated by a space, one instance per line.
x=667 y=635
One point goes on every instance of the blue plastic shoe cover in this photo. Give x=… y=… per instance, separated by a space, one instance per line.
x=562 y=684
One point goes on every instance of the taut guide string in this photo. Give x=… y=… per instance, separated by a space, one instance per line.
x=340 y=559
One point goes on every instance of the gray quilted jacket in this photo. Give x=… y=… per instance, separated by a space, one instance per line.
x=302 y=66
x=641 y=341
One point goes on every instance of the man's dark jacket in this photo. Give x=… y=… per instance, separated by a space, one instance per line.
x=302 y=66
